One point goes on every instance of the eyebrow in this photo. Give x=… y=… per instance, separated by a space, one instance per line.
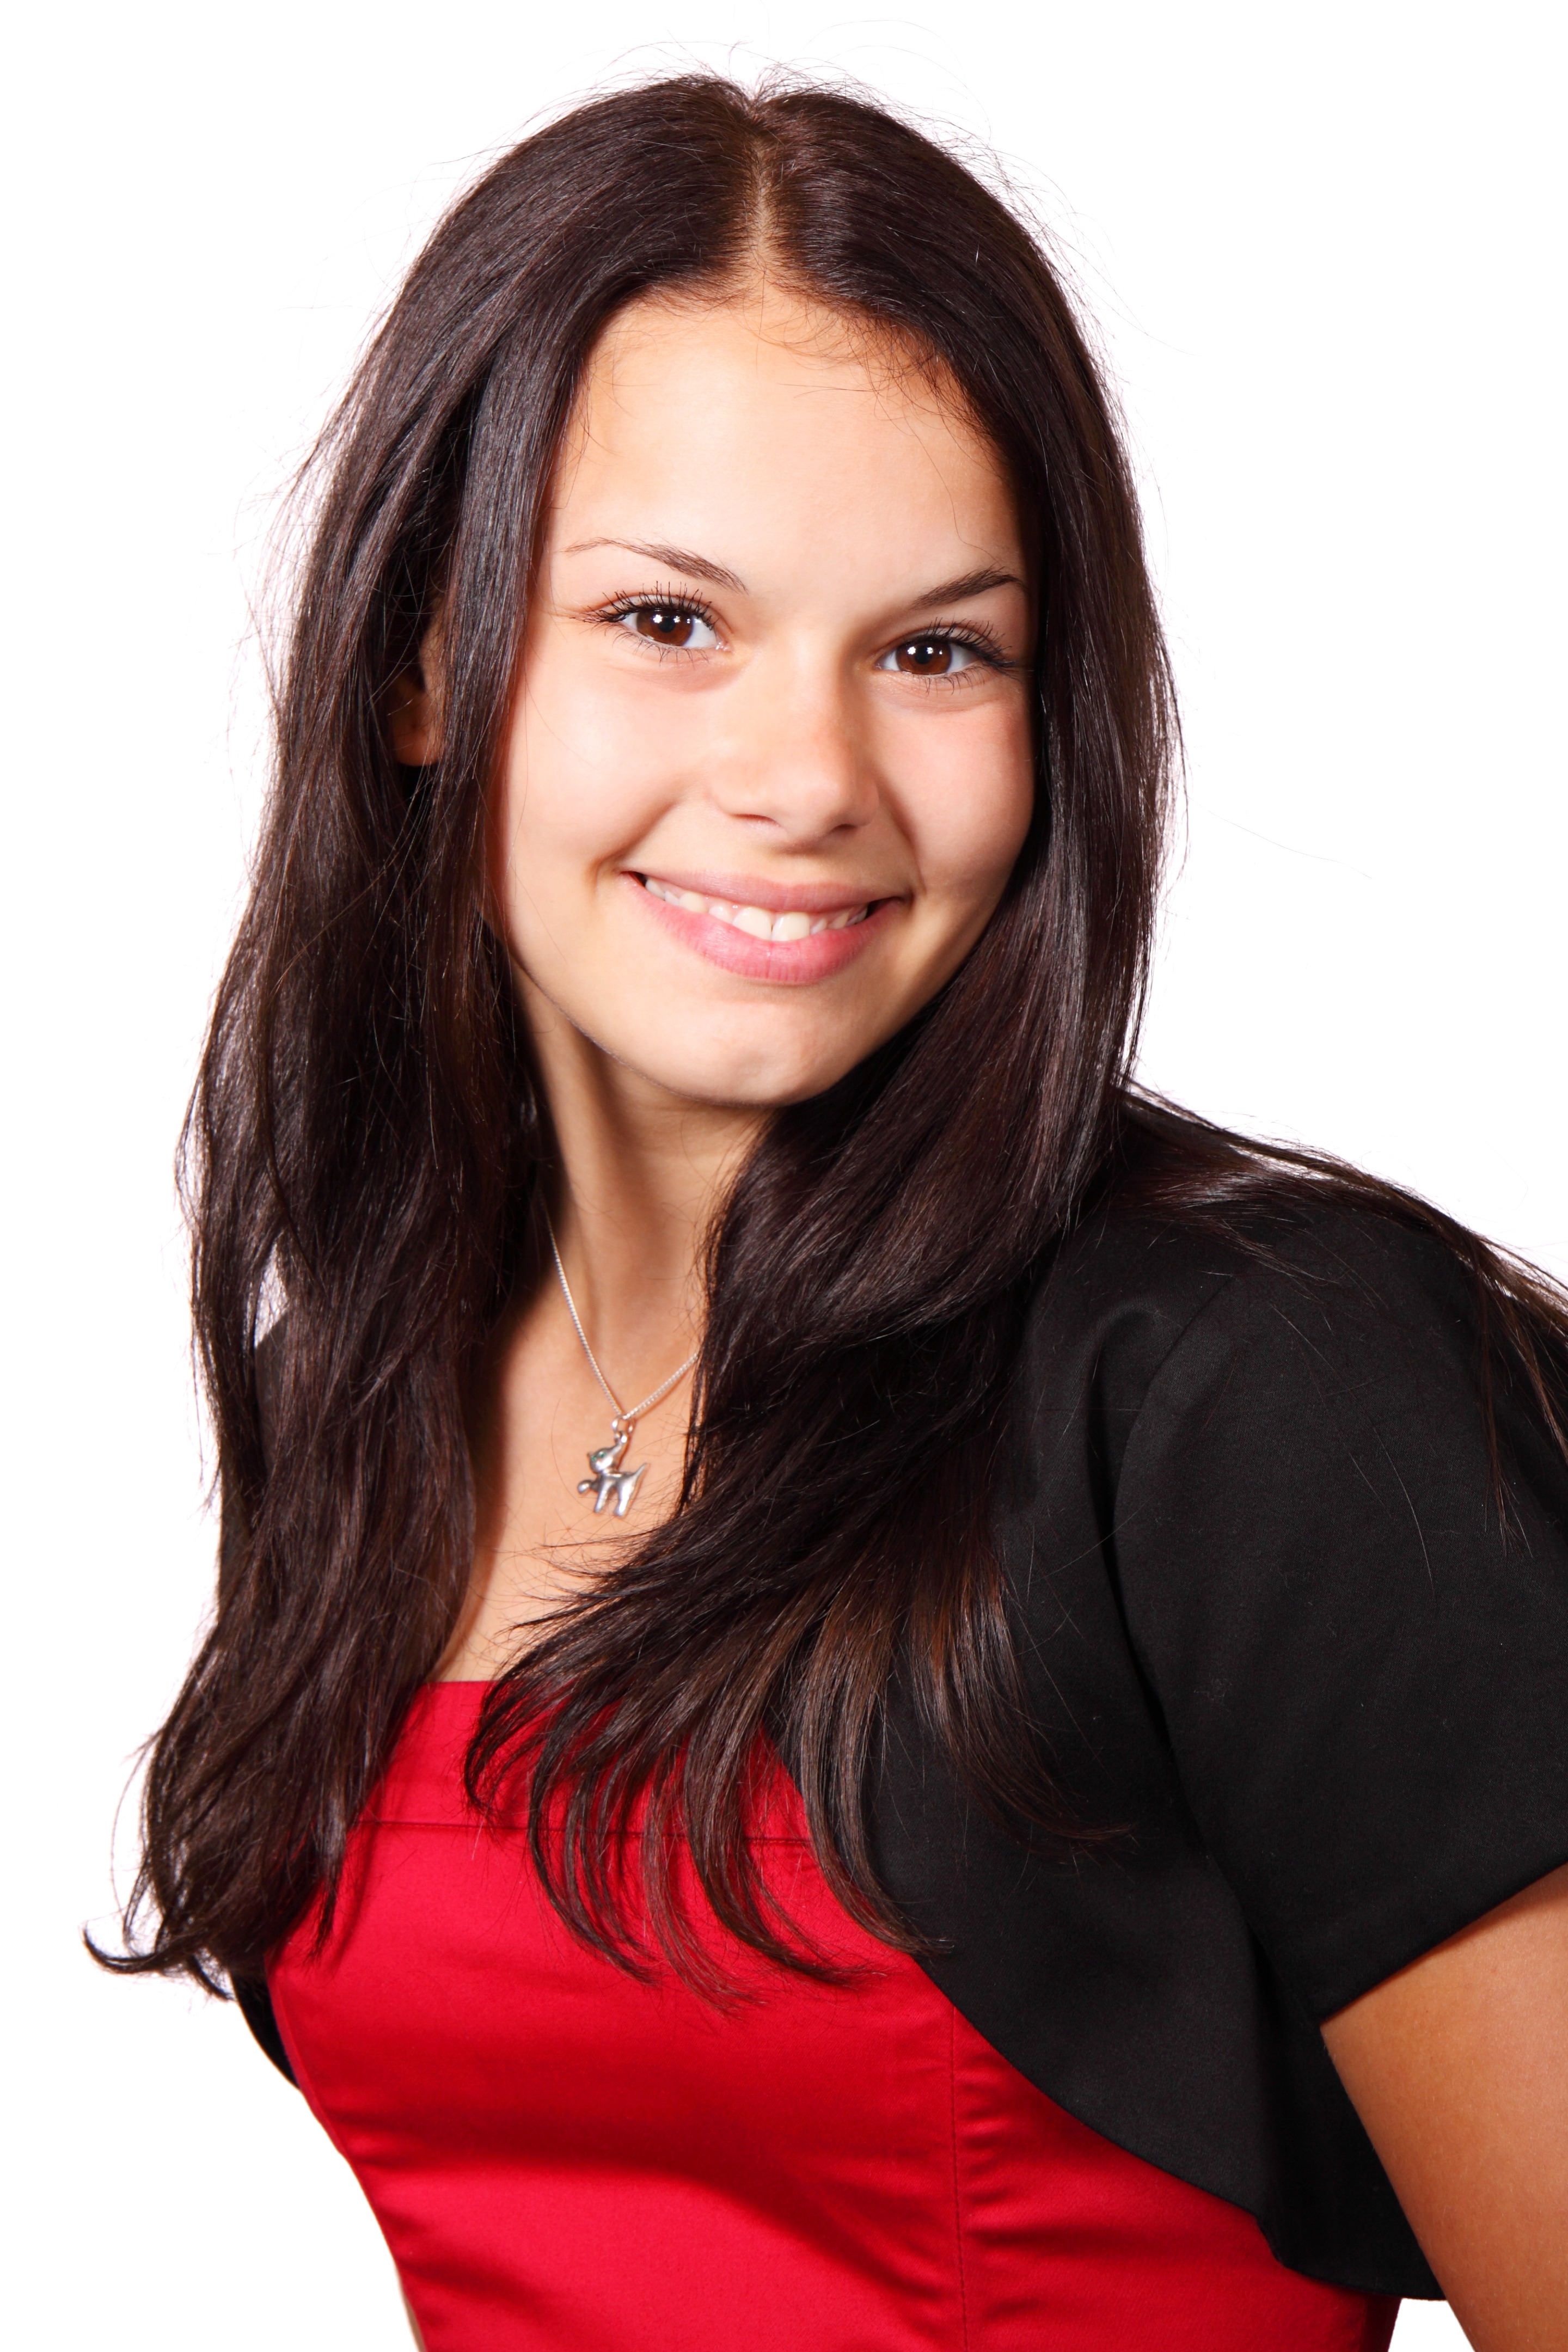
x=702 y=567
x=968 y=583
x=674 y=559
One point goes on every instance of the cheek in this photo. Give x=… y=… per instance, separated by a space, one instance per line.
x=968 y=803
x=580 y=782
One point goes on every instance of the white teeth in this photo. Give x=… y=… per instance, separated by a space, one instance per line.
x=757 y=922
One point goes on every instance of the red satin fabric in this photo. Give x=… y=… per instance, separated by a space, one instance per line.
x=564 y=2159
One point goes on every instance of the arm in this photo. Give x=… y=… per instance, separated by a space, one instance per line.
x=1458 y=2067
x=1362 y=1680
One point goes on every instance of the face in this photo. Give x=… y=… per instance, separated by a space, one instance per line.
x=771 y=761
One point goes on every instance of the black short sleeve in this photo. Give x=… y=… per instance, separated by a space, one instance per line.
x=1362 y=1678
x=254 y=2002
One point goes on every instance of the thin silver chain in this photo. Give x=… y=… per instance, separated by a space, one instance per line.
x=624 y=1421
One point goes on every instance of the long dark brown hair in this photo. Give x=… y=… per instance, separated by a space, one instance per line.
x=367 y=1138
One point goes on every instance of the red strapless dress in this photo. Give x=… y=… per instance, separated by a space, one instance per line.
x=564 y=2159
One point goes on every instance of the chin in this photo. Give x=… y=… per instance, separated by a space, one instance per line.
x=754 y=1081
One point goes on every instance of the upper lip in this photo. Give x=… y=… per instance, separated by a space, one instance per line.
x=773 y=897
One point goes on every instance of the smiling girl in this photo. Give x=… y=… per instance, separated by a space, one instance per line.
x=867 y=1692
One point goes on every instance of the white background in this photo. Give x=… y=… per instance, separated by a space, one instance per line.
x=1323 y=247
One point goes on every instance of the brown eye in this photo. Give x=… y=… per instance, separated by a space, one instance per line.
x=664 y=624
x=932 y=656
x=674 y=628
x=925 y=656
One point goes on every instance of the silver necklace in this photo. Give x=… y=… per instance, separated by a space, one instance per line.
x=608 y=1482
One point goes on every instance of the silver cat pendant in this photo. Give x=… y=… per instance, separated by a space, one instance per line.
x=609 y=1482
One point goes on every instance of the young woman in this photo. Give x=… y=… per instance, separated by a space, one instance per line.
x=867 y=1692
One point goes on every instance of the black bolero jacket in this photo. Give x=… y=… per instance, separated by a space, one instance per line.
x=1273 y=1626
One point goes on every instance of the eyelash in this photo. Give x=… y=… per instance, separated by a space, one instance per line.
x=970 y=633
x=973 y=633
x=661 y=601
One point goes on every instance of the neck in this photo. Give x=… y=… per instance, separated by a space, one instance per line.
x=642 y=1172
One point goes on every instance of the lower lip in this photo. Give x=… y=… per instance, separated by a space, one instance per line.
x=792 y=963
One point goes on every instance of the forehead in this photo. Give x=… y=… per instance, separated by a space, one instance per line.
x=771 y=416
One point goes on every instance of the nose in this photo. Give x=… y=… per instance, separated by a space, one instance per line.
x=792 y=757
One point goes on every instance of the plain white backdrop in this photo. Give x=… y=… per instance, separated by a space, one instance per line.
x=1322 y=247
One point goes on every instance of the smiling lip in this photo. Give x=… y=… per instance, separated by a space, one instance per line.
x=793 y=932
